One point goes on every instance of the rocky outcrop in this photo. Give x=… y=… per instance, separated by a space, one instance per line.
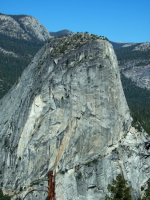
x=23 y=27
x=138 y=72
x=68 y=116
x=142 y=47
x=8 y=53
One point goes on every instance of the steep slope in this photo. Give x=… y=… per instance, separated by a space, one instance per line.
x=21 y=36
x=68 y=118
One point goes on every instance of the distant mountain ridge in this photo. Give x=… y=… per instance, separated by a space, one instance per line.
x=64 y=32
x=117 y=45
x=23 y=27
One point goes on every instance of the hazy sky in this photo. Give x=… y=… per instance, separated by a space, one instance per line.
x=118 y=20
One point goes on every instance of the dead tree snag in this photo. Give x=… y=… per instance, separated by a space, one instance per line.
x=51 y=185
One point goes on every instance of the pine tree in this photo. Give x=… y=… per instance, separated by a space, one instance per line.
x=4 y=197
x=119 y=190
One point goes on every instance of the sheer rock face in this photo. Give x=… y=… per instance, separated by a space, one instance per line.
x=68 y=114
x=23 y=27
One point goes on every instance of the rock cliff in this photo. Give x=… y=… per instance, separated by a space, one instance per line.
x=68 y=118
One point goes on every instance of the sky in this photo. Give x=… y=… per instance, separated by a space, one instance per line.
x=118 y=20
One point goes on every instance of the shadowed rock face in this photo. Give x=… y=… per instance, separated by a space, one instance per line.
x=68 y=114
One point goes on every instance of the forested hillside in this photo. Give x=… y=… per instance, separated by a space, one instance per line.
x=21 y=36
x=130 y=53
x=134 y=65
x=138 y=100
x=15 y=55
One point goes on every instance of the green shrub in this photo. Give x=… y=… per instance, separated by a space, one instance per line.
x=79 y=175
x=119 y=189
x=4 y=197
